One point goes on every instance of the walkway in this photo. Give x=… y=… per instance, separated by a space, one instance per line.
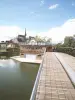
x=70 y=60
x=54 y=83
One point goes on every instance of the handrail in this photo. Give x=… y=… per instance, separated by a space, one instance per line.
x=37 y=80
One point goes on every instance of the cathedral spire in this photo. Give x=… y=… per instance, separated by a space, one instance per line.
x=25 y=34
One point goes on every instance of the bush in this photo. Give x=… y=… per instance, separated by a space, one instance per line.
x=68 y=50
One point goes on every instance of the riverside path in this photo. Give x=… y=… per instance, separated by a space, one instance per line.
x=54 y=82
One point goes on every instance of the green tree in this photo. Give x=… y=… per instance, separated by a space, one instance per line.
x=44 y=40
x=68 y=41
x=38 y=39
x=58 y=45
x=49 y=40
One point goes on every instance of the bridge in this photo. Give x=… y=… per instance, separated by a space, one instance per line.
x=35 y=49
x=56 y=78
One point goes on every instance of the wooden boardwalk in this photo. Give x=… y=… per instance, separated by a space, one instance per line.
x=54 y=84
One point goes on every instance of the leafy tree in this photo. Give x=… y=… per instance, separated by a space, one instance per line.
x=49 y=41
x=68 y=41
x=58 y=45
x=38 y=39
x=45 y=40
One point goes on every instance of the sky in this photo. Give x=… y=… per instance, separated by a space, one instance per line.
x=51 y=18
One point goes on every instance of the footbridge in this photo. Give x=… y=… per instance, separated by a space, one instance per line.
x=56 y=78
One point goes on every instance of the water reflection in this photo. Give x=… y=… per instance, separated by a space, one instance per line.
x=16 y=79
x=7 y=63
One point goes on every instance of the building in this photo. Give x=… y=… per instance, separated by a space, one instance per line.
x=13 y=49
x=3 y=46
x=9 y=49
x=22 y=38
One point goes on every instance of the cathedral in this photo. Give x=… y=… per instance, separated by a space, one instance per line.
x=22 y=38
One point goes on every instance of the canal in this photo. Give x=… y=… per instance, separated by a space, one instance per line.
x=16 y=79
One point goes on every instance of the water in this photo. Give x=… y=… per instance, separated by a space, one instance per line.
x=16 y=79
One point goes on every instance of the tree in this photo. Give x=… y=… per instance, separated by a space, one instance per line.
x=68 y=41
x=37 y=39
x=44 y=40
x=58 y=45
x=49 y=41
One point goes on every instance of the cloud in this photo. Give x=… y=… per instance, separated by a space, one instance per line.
x=73 y=4
x=36 y=14
x=9 y=32
x=58 y=33
x=53 y=6
x=42 y=3
x=32 y=12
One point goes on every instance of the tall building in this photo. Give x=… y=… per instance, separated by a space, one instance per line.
x=25 y=34
x=22 y=38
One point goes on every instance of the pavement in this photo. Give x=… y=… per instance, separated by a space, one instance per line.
x=54 y=83
x=70 y=60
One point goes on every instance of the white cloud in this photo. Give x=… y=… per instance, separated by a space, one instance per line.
x=42 y=3
x=36 y=14
x=32 y=12
x=73 y=4
x=57 y=33
x=9 y=32
x=53 y=6
x=6 y=32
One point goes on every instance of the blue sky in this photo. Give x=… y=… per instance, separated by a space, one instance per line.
x=36 y=15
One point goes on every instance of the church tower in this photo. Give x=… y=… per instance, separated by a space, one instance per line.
x=25 y=35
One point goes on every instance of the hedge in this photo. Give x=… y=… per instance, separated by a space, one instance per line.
x=68 y=50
